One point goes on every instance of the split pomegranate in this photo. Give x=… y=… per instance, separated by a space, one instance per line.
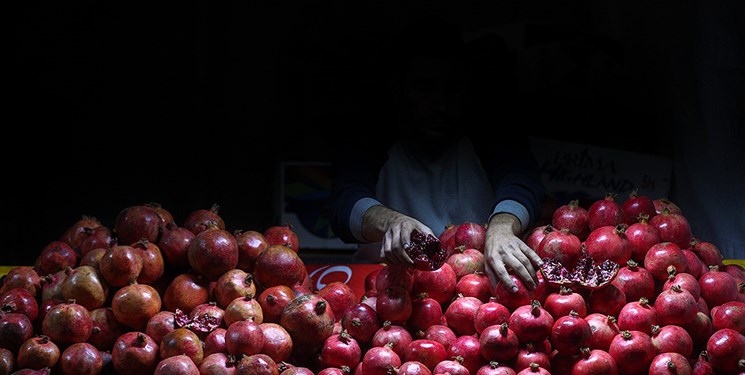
x=425 y=251
x=586 y=273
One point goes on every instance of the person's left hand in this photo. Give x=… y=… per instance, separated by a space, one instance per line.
x=506 y=253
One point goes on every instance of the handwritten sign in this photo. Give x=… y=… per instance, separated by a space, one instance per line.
x=585 y=172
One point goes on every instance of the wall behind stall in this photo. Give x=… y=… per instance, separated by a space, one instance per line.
x=191 y=104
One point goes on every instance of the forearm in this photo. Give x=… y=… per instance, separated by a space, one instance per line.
x=376 y=221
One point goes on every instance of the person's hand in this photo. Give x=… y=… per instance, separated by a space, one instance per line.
x=393 y=229
x=506 y=253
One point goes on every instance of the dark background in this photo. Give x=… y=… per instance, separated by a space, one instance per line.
x=189 y=104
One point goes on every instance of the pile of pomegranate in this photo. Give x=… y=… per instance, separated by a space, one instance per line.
x=625 y=288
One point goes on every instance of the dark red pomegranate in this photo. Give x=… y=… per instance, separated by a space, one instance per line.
x=637 y=315
x=243 y=308
x=440 y=333
x=573 y=217
x=425 y=311
x=179 y=364
x=635 y=281
x=199 y=220
x=21 y=301
x=671 y=362
x=185 y=291
x=340 y=350
x=707 y=252
x=446 y=237
x=273 y=300
x=396 y=335
x=340 y=296
x=672 y=338
x=67 y=323
x=726 y=351
x=250 y=244
x=605 y=212
x=675 y=306
x=256 y=364
x=23 y=277
x=636 y=206
x=607 y=300
x=604 y=329
x=37 y=353
x=277 y=342
x=275 y=258
x=673 y=227
x=717 y=287
x=489 y=313
x=106 y=329
x=664 y=257
x=135 y=352
x=361 y=321
x=55 y=256
x=394 y=304
x=460 y=314
x=561 y=302
x=413 y=368
x=495 y=368
x=136 y=222
x=642 y=236
x=282 y=235
x=467 y=350
x=470 y=235
x=438 y=284
x=174 y=243
x=531 y=323
x=153 y=264
x=570 y=333
x=609 y=242
x=76 y=233
x=453 y=366
x=244 y=338
x=381 y=360
x=729 y=315
x=15 y=329
x=429 y=352
x=535 y=235
x=466 y=261
x=561 y=245
x=182 y=341
x=98 y=238
x=310 y=321
x=80 y=358
x=665 y=203
x=212 y=252
x=594 y=361
x=425 y=251
x=633 y=352
x=120 y=265
x=498 y=343
x=214 y=342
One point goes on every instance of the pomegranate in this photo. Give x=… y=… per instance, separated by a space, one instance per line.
x=635 y=281
x=637 y=315
x=438 y=284
x=446 y=237
x=174 y=243
x=106 y=329
x=55 y=256
x=310 y=321
x=15 y=329
x=182 y=341
x=279 y=257
x=726 y=350
x=76 y=233
x=573 y=217
x=452 y=366
x=429 y=352
x=133 y=305
x=98 y=238
x=153 y=264
x=233 y=284
x=244 y=337
x=665 y=203
x=397 y=336
x=136 y=222
x=80 y=358
x=179 y=364
x=21 y=301
x=120 y=265
x=675 y=306
x=413 y=368
x=160 y=324
x=214 y=342
x=440 y=333
x=594 y=361
x=664 y=257
x=672 y=339
x=37 y=353
x=340 y=296
x=729 y=315
x=561 y=302
x=534 y=236
x=466 y=348
x=513 y=300
x=586 y=274
x=282 y=235
x=273 y=300
x=489 y=313
x=7 y=361
x=425 y=311
x=396 y=275
x=534 y=368
x=476 y=285
x=561 y=245
x=498 y=343
x=250 y=244
x=361 y=321
x=717 y=287
x=204 y=318
x=707 y=252
x=608 y=300
x=673 y=227
x=531 y=323
x=67 y=323
x=633 y=352
x=684 y=280
x=604 y=329
x=470 y=235
x=466 y=261
x=277 y=342
x=199 y=220
x=605 y=212
x=669 y=363
x=460 y=314
x=243 y=308
x=495 y=368
x=642 y=236
x=637 y=206
x=609 y=242
x=185 y=291
x=569 y=333
x=135 y=352
x=212 y=252
x=381 y=360
x=394 y=304
x=340 y=350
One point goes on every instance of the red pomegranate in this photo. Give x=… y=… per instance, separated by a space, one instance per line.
x=498 y=343
x=425 y=311
x=638 y=315
x=282 y=235
x=642 y=236
x=707 y=252
x=672 y=338
x=396 y=335
x=185 y=291
x=273 y=300
x=80 y=358
x=174 y=243
x=633 y=352
x=133 y=305
x=250 y=244
x=310 y=321
x=153 y=264
x=605 y=212
x=380 y=360
x=637 y=206
x=340 y=350
x=429 y=352
x=199 y=220
x=98 y=238
x=470 y=235
x=135 y=352
x=635 y=281
x=460 y=314
x=609 y=242
x=361 y=321
x=106 y=329
x=467 y=349
x=120 y=265
x=594 y=361
x=673 y=227
x=531 y=322
x=243 y=308
x=561 y=245
x=726 y=350
x=38 y=353
x=570 y=333
x=573 y=217
x=339 y=295
x=136 y=222
x=182 y=341
x=212 y=252
x=438 y=284
x=177 y=364
x=665 y=363
x=67 y=323
x=717 y=287
x=279 y=264
x=233 y=284
x=604 y=329
x=55 y=256
x=277 y=342
x=465 y=261
x=664 y=257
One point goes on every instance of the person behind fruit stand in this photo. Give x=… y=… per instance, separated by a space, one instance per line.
x=429 y=168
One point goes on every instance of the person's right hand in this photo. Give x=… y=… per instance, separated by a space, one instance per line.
x=394 y=230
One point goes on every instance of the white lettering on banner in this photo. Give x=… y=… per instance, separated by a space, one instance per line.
x=328 y=270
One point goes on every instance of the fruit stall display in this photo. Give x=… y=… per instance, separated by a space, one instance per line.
x=625 y=288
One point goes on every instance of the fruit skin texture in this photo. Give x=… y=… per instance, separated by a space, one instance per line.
x=633 y=352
